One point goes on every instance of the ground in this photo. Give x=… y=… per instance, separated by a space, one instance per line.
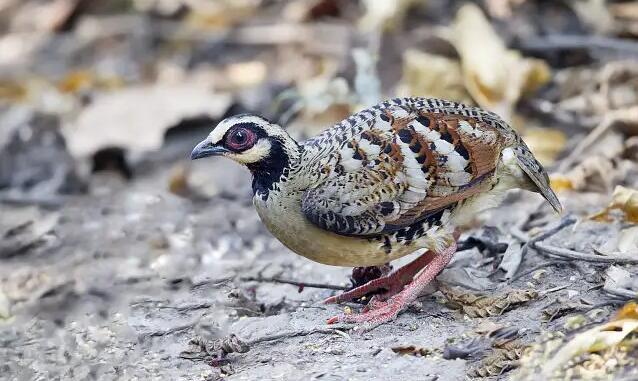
x=126 y=276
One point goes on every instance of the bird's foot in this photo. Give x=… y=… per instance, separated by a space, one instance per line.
x=392 y=284
x=378 y=312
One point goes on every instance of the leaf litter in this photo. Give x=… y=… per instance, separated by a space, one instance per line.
x=98 y=241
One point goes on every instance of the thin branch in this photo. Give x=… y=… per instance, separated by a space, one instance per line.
x=536 y=268
x=304 y=332
x=300 y=285
x=572 y=254
x=621 y=292
x=568 y=42
x=591 y=138
x=569 y=220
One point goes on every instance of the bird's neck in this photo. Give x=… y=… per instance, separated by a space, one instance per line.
x=273 y=172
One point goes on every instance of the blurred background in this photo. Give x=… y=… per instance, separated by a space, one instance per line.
x=104 y=221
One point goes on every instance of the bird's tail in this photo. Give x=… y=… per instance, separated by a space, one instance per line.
x=537 y=174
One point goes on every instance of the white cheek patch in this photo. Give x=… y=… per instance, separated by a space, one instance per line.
x=259 y=151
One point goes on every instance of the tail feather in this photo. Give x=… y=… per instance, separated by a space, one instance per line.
x=537 y=174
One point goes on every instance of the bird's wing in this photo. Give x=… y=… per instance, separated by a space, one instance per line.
x=400 y=162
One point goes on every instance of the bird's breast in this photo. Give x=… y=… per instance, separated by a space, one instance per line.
x=282 y=215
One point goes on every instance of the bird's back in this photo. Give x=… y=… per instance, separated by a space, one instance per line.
x=389 y=166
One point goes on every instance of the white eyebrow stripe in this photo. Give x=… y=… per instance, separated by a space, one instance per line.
x=218 y=132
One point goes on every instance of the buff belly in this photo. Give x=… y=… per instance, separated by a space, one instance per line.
x=287 y=223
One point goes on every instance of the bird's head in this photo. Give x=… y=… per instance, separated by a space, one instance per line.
x=249 y=140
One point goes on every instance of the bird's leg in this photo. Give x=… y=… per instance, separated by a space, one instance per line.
x=392 y=283
x=389 y=309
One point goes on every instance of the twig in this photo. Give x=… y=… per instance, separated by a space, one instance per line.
x=172 y=330
x=569 y=220
x=621 y=292
x=535 y=268
x=47 y=202
x=305 y=332
x=300 y=285
x=550 y=290
x=565 y=42
x=593 y=136
x=572 y=254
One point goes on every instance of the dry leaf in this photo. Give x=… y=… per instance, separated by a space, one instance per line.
x=628 y=311
x=412 y=350
x=475 y=305
x=384 y=14
x=624 y=199
x=430 y=75
x=80 y=80
x=560 y=183
x=594 y=340
x=499 y=361
x=219 y=14
x=246 y=74
x=545 y=143
x=495 y=76
x=136 y=118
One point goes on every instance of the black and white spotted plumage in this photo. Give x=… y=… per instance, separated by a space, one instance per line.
x=384 y=182
x=403 y=161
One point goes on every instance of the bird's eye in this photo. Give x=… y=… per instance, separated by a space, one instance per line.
x=240 y=139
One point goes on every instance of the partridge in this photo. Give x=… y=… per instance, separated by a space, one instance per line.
x=383 y=183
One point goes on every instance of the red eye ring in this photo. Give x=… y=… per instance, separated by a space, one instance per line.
x=240 y=138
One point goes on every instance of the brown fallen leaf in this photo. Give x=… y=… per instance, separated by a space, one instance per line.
x=502 y=359
x=412 y=350
x=475 y=305
x=597 y=339
x=592 y=354
x=628 y=311
x=624 y=199
x=595 y=173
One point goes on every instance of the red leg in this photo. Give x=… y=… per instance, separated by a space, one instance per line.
x=388 y=310
x=393 y=282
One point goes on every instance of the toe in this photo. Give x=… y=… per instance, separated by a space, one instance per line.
x=331 y=300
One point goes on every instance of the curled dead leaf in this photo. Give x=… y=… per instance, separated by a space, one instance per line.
x=110 y=121
x=624 y=199
x=476 y=305
x=545 y=143
x=495 y=76
x=628 y=311
x=431 y=75
x=597 y=339
x=412 y=350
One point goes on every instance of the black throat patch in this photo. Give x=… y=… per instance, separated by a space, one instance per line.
x=268 y=172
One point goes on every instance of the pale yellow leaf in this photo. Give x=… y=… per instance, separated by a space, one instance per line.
x=495 y=76
x=593 y=340
x=431 y=75
x=545 y=143
x=560 y=183
x=624 y=199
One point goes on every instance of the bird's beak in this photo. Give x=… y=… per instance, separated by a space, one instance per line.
x=205 y=148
